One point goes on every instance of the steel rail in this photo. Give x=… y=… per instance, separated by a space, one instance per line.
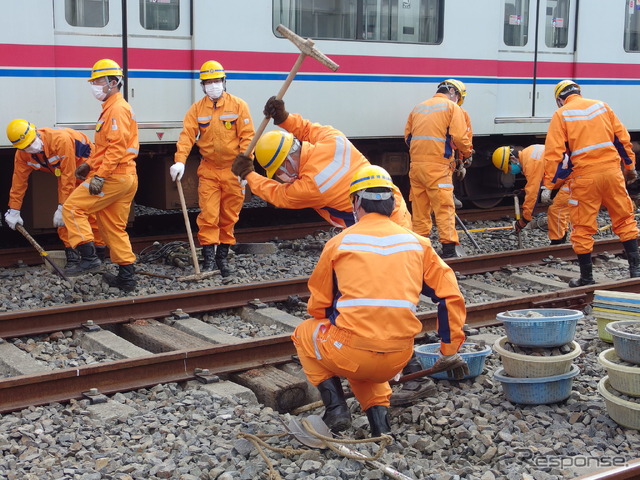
x=631 y=471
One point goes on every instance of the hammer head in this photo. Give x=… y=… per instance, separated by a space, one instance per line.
x=306 y=47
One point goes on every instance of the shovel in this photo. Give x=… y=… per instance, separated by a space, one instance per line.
x=295 y=428
x=45 y=256
x=194 y=256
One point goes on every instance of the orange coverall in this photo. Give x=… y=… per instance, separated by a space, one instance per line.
x=328 y=162
x=532 y=162
x=221 y=130
x=116 y=148
x=595 y=142
x=63 y=150
x=434 y=129
x=363 y=324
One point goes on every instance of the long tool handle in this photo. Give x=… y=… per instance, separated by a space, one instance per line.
x=386 y=469
x=473 y=240
x=283 y=90
x=516 y=204
x=187 y=224
x=44 y=254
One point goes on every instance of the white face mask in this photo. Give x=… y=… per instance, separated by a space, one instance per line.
x=35 y=147
x=97 y=92
x=214 y=90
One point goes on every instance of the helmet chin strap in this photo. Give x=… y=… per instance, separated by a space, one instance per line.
x=357 y=201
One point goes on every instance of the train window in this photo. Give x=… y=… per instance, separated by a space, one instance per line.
x=516 y=22
x=632 y=26
x=411 y=21
x=160 y=14
x=556 y=32
x=87 y=13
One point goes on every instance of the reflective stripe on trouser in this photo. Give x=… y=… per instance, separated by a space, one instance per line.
x=111 y=207
x=558 y=214
x=97 y=236
x=588 y=193
x=432 y=190
x=220 y=198
x=368 y=372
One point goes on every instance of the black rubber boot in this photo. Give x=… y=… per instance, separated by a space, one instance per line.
x=633 y=256
x=101 y=252
x=336 y=412
x=378 y=416
x=125 y=279
x=559 y=241
x=89 y=261
x=73 y=257
x=221 y=259
x=208 y=257
x=412 y=390
x=586 y=271
x=448 y=250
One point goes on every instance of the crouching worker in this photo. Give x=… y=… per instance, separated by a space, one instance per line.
x=364 y=292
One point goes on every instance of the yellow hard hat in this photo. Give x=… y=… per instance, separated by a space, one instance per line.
x=565 y=87
x=211 y=69
x=105 y=68
x=500 y=158
x=369 y=177
x=271 y=150
x=458 y=86
x=21 y=133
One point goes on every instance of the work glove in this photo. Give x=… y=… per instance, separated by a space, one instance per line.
x=242 y=166
x=176 y=171
x=13 y=218
x=466 y=161
x=82 y=171
x=460 y=172
x=95 y=185
x=275 y=109
x=630 y=176
x=545 y=196
x=459 y=367
x=520 y=224
x=57 y=218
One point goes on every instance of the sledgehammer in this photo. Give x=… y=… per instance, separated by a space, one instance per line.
x=306 y=50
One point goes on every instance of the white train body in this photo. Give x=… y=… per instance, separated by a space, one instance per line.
x=392 y=54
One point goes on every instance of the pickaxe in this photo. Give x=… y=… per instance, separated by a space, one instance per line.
x=306 y=50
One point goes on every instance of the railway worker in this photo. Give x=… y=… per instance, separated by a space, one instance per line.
x=313 y=165
x=110 y=182
x=434 y=129
x=530 y=162
x=57 y=151
x=363 y=326
x=587 y=145
x=221 y=125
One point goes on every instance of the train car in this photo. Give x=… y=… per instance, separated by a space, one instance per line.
x=392 y=54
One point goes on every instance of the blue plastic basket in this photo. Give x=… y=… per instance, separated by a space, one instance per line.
x=627 y=345
x=556 y=327
x=428 y=354
x=537 y=391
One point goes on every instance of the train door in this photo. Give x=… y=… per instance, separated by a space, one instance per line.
x=537 y=50
x=151 y=40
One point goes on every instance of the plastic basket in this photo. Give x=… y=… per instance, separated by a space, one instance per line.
x=623 y=412
x=58 y=257
x=530 y=366
x=623 y=378
x=537 y=391
x=602 y=331
x=428 y=354
x=554 y=328
x=627 y=345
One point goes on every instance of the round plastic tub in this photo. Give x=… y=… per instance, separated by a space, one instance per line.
x=537 y=391
x=623 y=412
x=553 y=328
x=602 y=330
x=531 y=366
x=627 y=345
x=623 y=378
x=428 y=354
